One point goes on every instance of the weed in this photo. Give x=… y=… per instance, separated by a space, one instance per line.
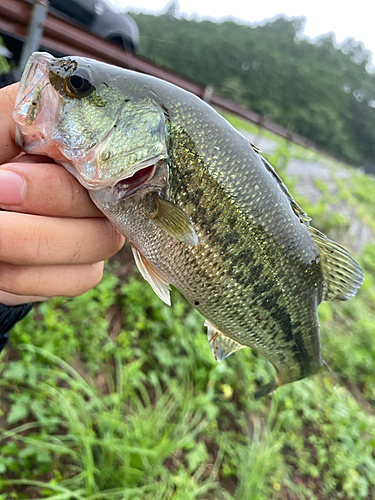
x=142 y=411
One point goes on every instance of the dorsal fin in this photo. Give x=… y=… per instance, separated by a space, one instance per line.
x=255 y=147
x=342 y=275
x=301 y=214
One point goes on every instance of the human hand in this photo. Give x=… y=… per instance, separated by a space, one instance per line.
x=53 y=239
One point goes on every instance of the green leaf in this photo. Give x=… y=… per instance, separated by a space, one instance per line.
x=197 y=456
x=17 y=412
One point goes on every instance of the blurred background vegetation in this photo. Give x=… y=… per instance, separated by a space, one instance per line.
x=114 y=395
x=318 y=90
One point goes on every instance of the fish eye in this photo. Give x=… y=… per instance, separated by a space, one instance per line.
x=78 y=84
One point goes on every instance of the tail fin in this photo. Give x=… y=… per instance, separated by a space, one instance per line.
x=265 y=389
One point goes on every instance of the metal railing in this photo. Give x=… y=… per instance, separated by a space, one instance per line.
x=64 y=38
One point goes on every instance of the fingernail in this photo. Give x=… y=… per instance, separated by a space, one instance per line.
x=11 y=188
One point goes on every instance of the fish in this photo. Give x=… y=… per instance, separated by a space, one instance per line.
x=202 y=209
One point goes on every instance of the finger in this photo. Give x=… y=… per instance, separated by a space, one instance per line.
x=26 y=158
x=9 y=299
x=50 y=281
x=35 y=240
x=43 y=189
x=8 y=148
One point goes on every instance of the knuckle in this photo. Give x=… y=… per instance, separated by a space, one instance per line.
x=38 y=247
x=76 y=252
x=68 y=192
x=6 y=281
x=114 y=237
x=90 y=276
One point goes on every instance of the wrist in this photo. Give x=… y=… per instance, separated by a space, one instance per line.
x=10 y=299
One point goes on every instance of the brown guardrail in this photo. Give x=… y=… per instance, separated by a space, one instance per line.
x=59 y=36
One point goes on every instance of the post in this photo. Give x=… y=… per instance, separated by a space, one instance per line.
x=34 y=31
x=208 y=93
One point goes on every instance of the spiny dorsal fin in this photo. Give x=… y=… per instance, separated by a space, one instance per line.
x=221 y=345
x=341 y=274
x=173 y=220
x=295 y=207
x=158 y=284
x=255 y=148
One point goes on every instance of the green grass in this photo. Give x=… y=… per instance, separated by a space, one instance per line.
x=114 y=395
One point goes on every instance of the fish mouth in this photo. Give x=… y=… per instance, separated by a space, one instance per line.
x=145 y=179
x=40 y=105
x=139 y=178
x=36 y=105
x=86 y=169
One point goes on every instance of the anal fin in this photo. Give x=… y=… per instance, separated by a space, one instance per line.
x=221 y=345
x=158 y=284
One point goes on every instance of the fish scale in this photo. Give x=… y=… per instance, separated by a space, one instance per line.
x=249 y=312
x=201 y=208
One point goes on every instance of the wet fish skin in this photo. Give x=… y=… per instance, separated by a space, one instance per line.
x=230 y=275
x=233 y=241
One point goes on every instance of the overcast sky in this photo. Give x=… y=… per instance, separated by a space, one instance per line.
x=346 y=19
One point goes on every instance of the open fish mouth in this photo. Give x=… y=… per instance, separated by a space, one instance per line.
x=88 y=169
x=128 y=186
x=140 y=177
x=141 y=180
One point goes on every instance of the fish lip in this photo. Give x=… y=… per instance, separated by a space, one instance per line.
x=133 y=187
x=19 y=138
x=110 y=184
x=33 y=81
x=37 y=62
x=152 y=180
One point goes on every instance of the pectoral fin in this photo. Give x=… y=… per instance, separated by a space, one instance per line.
x=173 y=220
x=158 y=284
x=221 y=345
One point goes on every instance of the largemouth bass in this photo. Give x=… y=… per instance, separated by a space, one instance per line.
x=201 y=208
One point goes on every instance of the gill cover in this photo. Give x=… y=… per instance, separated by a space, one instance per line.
x=102 y=127
x=107 y=133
